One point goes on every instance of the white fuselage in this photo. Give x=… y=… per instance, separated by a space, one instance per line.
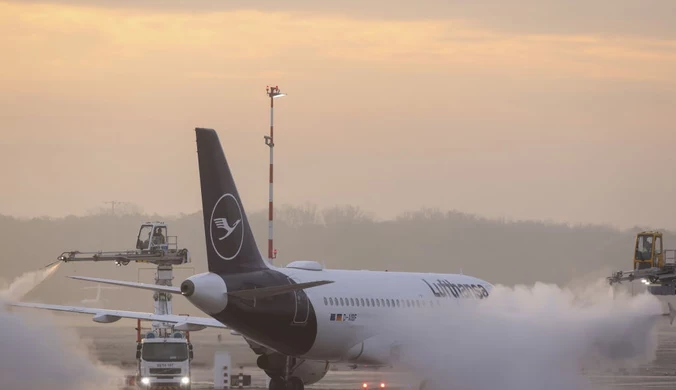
x=362 y=305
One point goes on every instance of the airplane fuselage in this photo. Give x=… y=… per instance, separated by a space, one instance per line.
x=331 y=322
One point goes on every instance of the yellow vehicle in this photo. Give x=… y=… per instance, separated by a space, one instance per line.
x=648 y=252
x=653 y=265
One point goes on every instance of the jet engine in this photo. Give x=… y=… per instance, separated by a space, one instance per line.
x=374 y=351
x=105 y=318
x=309 y=371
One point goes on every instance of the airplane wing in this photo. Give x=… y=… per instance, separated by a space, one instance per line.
x=182 y=322
x=143 y=286
x=247 y=294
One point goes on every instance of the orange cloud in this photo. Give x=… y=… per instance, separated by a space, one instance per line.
x=52 y=42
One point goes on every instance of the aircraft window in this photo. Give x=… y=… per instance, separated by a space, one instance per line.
x=373 y=303
x=388 y=302
x=417 y=302
x=382 y=301
x=356 y=300
x=423 y=303
x=351 y=301
x=397 y=303
x=326 y=302
x=331 y=301
x=408 y=303
x=368 y=304
x=658 y=245
x=341 y=302
x=378 y=302
x=362 y=301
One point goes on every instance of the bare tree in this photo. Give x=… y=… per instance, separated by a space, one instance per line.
x=346 y=214
x=297 y=216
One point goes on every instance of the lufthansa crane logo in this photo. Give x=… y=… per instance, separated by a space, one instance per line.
x=227 y=227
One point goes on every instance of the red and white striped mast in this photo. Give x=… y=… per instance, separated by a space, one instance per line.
x=273 y=93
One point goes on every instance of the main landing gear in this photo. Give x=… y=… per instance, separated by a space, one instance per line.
x=282 y=380
x=294 y=383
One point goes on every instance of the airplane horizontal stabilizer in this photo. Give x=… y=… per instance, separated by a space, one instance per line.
x=143 y=286
x=264 y=292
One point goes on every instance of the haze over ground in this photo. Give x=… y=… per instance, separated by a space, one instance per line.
x=546 y=110
x=554 y=332
x=500 y=252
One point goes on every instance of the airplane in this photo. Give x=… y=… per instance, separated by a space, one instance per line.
x=300 y=318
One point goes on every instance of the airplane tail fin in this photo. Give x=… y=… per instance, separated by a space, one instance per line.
x=672 y=314
x=231 y=247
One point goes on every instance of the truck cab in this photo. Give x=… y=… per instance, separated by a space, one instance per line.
x=152 y=237
x=648 y=251
x=164 y=362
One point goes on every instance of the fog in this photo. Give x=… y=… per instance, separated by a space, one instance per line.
x=532 y=338
x=37 y=354
x=559 y=318
x=426 y=240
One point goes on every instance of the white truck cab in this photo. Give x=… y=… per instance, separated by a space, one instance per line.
x=164 y=362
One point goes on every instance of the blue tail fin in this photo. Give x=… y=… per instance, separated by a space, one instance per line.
x=231 y=247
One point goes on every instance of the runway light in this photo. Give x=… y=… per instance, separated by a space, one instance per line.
x=185 y=380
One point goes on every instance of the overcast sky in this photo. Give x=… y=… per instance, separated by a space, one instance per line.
x=549 y=109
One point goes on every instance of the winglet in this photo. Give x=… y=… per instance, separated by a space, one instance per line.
x=672 y=314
